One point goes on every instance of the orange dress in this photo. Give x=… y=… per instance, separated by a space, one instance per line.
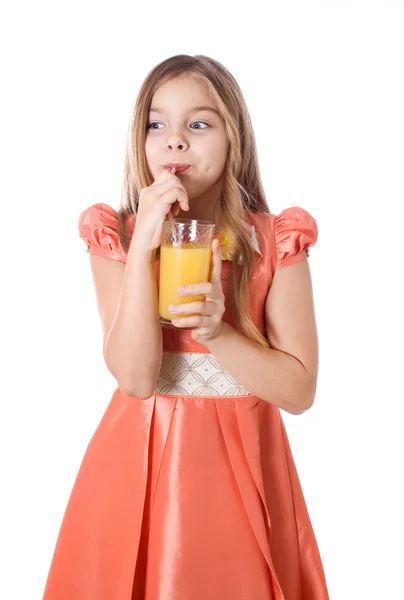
x=193 y=493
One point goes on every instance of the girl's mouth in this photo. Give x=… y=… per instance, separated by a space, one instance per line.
x=179 y=168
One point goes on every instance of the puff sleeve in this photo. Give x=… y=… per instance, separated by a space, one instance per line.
x=98 y=227
x=295 y=231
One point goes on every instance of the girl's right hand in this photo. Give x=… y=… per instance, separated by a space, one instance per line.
x=155 y=202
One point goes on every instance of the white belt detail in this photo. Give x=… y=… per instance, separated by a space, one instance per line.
x=196 y=374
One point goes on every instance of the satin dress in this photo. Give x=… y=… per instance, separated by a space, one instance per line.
x=191 y=494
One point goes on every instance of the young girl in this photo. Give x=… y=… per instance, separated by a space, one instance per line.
x=188 y=489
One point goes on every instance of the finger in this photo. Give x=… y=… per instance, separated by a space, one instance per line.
x=162 y=178
x=180 y=195
x=200 y=333
x=196 y=289
x=167 y=183
x=166 y=186
x=195 y=321
x=175 y=209
x=201 y=308
x=175 y=195
x=165 y=175
x=216 y=262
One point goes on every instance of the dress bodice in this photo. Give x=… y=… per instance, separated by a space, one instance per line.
x=187 y=365
x=283 y=240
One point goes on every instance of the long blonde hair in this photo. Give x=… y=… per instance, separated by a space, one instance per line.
x=242 y=188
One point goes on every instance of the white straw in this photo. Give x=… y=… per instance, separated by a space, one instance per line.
x=170 y=216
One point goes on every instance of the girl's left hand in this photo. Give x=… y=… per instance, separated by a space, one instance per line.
x=208 y=323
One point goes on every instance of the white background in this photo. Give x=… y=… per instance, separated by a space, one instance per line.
x=324 y=85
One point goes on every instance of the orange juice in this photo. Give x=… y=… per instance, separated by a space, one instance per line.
x=187 y=264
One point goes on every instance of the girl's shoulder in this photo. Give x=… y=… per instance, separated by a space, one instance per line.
x=283 y=238
x=98 y=227
x=287 y=236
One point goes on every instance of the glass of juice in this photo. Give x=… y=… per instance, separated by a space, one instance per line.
x=185 y=258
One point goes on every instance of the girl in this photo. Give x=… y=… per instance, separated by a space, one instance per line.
x=188 y=489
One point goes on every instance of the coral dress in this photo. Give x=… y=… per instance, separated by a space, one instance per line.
x=191 y=494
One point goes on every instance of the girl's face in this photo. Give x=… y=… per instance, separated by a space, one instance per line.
x=184 y=127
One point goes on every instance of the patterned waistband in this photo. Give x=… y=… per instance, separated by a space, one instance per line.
x=196 y=374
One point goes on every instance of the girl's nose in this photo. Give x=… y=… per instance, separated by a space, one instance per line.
x=176 y=143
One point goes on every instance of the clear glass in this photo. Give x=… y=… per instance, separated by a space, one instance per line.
x=185 y=258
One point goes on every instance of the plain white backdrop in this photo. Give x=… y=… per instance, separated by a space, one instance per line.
x=324 y=85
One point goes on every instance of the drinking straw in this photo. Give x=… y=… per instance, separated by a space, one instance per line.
x=170 y=215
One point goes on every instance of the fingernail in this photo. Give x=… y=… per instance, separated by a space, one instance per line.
x=172 y=308
x=180 y=291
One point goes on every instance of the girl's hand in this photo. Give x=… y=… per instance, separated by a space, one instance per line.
x=209 y=322
x=155 y=203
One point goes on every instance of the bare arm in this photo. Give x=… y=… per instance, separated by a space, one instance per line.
x=133 y=346
x=127 y=293
x=286 y=373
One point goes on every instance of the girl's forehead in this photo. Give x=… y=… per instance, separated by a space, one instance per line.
x=183 y=90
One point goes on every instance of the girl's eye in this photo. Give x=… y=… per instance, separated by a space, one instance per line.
x=151 y=125
x=201 y=123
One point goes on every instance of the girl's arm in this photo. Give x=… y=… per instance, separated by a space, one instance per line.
x=286 y=373
x=134 y=345
x=133 y=348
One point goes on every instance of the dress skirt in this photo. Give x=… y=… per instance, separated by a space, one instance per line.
x=187 y=498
